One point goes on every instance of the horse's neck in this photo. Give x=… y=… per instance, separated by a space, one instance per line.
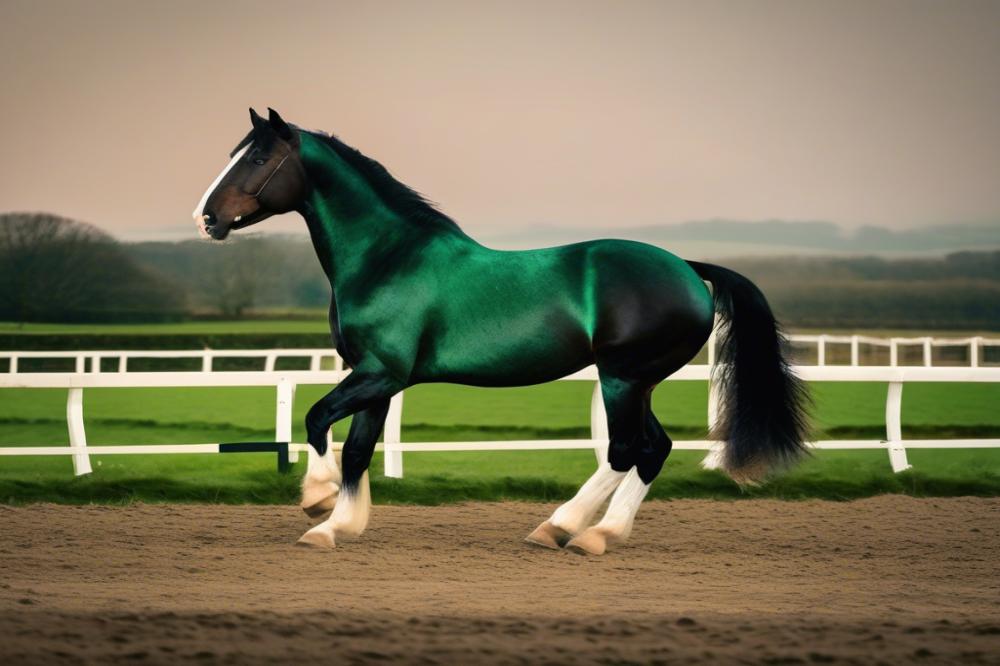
x=355 y=233
x=353 y=244
x=337 y=243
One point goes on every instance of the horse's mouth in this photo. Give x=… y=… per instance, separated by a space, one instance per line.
x=221 y=231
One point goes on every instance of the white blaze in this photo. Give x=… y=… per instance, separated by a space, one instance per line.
x=199 y=211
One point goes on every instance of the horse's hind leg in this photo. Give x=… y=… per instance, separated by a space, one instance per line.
x=625 y=402
x=573 y=516
x=641 y=450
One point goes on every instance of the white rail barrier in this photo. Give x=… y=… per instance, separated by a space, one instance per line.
x=974 y=344
x=286 y=382
x=92 y=361
x=207 y=356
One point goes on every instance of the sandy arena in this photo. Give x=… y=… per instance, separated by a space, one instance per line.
x=885 y=580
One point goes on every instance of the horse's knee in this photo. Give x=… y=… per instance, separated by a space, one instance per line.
x=316 y=429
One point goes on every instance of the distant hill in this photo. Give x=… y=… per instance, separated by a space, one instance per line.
x=726 y=238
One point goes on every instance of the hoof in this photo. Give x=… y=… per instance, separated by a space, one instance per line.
x=548 y=535
x=319 y=498
x=317 y=538
x=592 y=541
x=320 y=508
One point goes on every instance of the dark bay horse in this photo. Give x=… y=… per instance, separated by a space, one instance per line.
x=417 y=300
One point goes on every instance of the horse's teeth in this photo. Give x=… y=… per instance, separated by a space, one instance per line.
x=237 y=218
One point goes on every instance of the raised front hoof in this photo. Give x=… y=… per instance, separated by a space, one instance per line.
x=320 y=508
x=548 y=535
x=591 y=541
x=317 y=538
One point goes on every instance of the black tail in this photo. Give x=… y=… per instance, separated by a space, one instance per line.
x=763 y=415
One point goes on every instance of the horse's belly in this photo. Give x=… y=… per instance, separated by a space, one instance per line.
x=508 y=359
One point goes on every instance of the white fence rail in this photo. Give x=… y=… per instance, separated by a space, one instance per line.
x=285 y=384
x=93 y=361
x=975 y=346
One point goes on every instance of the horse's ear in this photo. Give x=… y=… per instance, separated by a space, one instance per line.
x=279 y=125
x=259 y=123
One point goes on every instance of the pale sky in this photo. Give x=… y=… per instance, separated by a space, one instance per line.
x=512 y=114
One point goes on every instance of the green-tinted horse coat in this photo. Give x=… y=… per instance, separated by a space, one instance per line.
x=425 y=302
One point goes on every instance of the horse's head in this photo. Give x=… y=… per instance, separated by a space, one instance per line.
x=265 y=177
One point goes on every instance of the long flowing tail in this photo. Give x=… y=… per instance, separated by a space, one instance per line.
x=763 y=415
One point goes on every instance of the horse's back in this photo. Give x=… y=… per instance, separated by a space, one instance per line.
x=532 y=316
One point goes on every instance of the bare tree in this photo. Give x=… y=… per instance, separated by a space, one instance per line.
x=53 y=268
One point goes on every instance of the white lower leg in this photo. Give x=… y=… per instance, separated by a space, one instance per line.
x=617 y=521
x=576 y=514
x=350 y=516
x=322 y=479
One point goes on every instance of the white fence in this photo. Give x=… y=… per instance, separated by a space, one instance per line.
x=285 y=383
x=93 y=361
x=975 y=346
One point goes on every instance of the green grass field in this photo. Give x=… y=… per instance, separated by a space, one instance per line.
x=453 y=413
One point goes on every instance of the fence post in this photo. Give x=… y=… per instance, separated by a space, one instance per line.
x=599 y=424
x=855 y=352
x=314 y=362
x=77 y=433
x=13 y=365
x=894 y=427
x=123 y=363
x=283 y=415
x=392 y=456
x=928 y=353
x=974 y=351
x=893 y=352
x=821 y=350
x=206 y=360
x=269 y=362
x=81 y=363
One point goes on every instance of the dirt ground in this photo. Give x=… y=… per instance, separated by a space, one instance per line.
x=885 y=580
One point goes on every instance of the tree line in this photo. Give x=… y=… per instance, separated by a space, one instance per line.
x=56 y=269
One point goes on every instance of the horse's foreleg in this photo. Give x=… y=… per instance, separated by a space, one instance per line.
x=320 y=484
x=350 y=513
x=361 y=390
x=350 y=516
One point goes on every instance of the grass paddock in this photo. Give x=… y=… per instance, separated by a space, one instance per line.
x=453 y=413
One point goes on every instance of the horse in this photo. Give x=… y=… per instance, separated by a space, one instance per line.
x=415 y=300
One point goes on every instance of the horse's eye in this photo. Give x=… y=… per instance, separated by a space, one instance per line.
x=258 y=161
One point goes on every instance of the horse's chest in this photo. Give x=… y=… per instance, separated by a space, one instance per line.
x=347 y=348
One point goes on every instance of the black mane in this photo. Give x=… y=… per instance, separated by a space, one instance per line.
x=398 y=196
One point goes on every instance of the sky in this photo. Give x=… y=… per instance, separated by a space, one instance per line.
x=515 y=114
